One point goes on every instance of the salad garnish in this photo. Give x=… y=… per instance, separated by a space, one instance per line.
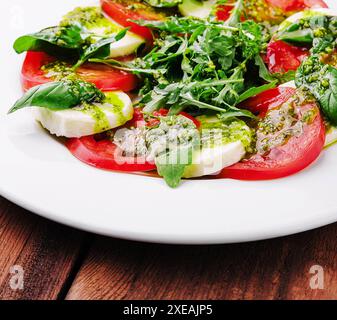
x=184 y=89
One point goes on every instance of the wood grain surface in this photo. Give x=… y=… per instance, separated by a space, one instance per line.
x=60 y=262
x=276 y=269
x=46 y=251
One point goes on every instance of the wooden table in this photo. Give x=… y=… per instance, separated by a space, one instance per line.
x=63 y=263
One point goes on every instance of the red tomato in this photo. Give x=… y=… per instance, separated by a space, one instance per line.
x=223 y=12
x=282 y=57
x=122 y=14
x=268 y=99
x=103 y=154
x=287 y=6
x=296 y=5
x=104 y=77
x=138 y=118
x=293 y=156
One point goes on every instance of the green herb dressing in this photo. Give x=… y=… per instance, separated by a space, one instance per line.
x=92 y=19
x=97 y=114
x=58 y=70
x=304 y=16
x=116 y=106
x=230 y=131
x=113 y=104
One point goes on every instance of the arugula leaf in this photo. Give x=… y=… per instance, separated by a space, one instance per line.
x=253 y=91
x=50 y=39
x=236 y=14
x=100 y=49
x=163 y=3
x=263 y=70
x=59 y=95
x=271 y=77
x=199 y=63
x=171 y=166
x=320 y=80
x=173 y=25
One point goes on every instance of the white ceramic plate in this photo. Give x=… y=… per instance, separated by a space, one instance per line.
x=39 y=174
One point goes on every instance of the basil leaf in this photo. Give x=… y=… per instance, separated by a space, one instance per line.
x=59 y=95
x=171 y=166
x=307 y=30
x=100 y=49
x=321 y=81
x=303 y=37
x=51 y=39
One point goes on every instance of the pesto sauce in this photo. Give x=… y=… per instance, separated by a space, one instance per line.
x=215 y=131
x=58 y=70
x=97 y=114
x=92 y=19
x=261 y=11
x=306 y=14
x=114 y=104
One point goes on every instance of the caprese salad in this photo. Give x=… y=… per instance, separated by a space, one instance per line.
x=242 y=89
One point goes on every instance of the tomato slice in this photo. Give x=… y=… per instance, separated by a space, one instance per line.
x=223 y=12
x=284 y=160
x=104 y=154
x=121 y=11
x=282 y=57
x=286 y=6
x=104 y=77
x=296 y=5
x=268 y=99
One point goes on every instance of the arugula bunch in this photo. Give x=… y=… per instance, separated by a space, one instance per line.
x=202 y=64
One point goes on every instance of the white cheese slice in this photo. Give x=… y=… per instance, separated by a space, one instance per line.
x=209 y=161
x=83 y=121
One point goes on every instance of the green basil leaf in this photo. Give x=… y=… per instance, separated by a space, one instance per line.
x=171 y=166
x=100 y=49
x=59 y=95
x=302 y=37
x=51 y=39
x=321 y=81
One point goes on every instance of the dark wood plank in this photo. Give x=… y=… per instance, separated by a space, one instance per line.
x=46 y=251
x=275 y=269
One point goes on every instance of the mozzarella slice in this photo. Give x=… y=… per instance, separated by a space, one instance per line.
x=87 y=120
x=197 y=9
x=306 y=14
x=126 y=46
x=209 y=161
